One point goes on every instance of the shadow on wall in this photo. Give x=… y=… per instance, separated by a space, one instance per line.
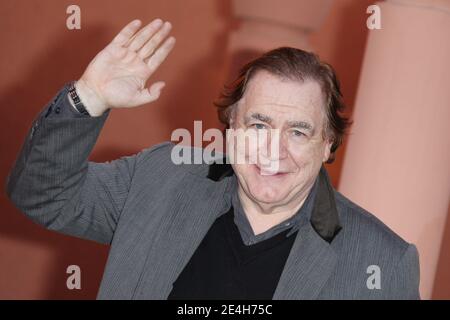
x=347 y=58
x=191 y=96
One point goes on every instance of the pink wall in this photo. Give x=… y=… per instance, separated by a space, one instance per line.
x=397 y=160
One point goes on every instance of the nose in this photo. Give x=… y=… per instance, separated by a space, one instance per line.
x=278 y=146
x=283 y=148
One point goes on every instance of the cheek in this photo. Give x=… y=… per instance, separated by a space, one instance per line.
x=307 y=155
x=245 y=171
x=248 y=177
x=246 y=147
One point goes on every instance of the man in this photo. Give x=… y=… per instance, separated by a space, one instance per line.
x=215 y=231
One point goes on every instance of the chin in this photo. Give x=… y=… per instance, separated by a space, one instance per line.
x=265 y=188
x=266 y=194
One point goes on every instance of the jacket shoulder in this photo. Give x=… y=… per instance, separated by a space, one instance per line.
x=158 y=151
x=365 y=240
x=175 y=159
x=366 y=227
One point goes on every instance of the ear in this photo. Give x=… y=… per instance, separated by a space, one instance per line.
x=231 y=122
x=327 y=150
x=233 y=115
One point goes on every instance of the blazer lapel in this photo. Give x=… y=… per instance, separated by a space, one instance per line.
x=312 y=259
x=193 y=213
x=308 y=267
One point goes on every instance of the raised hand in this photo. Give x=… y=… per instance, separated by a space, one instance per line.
x=117 y=76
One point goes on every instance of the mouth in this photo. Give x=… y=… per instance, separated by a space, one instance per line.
x=268 y=172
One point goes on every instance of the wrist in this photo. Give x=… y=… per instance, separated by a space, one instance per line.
x=91 y=101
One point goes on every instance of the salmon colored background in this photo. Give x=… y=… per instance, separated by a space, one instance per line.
x=39 y=55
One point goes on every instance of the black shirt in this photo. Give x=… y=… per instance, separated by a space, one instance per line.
x=223 y=267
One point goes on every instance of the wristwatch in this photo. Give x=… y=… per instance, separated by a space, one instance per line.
x=76 y=100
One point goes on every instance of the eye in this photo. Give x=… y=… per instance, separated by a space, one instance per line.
x=297 y=133
x=258 y=126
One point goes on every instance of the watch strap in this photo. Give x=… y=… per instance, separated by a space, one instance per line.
x=76 y=100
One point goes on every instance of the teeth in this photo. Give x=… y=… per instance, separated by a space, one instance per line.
x=265 y=172
x=269 y=170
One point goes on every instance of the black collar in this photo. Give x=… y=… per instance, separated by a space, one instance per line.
x=324 y=217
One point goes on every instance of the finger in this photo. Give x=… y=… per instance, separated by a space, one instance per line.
x=161 y=54
x=127 y=32
x=149 y=95
x=145 y=34
x=148 y=49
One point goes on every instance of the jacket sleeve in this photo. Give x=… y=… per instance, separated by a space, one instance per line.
x=406 y=277
x=55 y=185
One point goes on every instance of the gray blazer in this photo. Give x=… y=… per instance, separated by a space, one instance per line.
x=154 y=214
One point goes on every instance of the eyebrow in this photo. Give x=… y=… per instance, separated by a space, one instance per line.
x=258 y=116
x=292 y=124
x=301 y=125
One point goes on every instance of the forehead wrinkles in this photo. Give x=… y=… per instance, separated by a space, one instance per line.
x=285 y=97
x=267 y=88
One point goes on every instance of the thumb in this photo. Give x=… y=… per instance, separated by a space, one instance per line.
x=151 y=94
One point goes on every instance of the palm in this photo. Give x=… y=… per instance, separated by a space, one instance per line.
x=118 y=74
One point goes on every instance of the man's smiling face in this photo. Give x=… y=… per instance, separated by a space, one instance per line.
x=296 y=109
